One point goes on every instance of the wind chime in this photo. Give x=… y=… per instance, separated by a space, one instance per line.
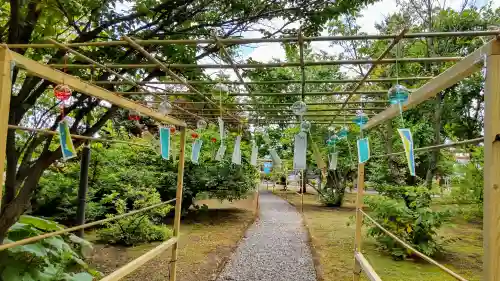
x=299 y=108
x=363 y=143
x=399 y=94
x=197 y=142
x=166 y=148
x=63 y=92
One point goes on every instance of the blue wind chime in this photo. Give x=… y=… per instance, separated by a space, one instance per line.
x=363 y=143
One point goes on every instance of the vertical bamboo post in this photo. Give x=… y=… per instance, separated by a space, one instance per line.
x=491 y=216
x=359 y=218
x=178 y=204
x=302 y=193
x=5 y=93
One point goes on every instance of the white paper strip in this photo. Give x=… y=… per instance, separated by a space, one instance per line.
x=255 y=153
x=333 y=161
x=276 y=158
x=220 y=152
x=300 y=151
x=237 y=151
x=221 y=128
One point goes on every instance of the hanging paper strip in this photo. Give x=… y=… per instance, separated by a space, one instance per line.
x=220 y=152
x=237 y=151
x=195 y=151
x=165 y=142
x=276 y=158
x=333 y=161
x=300 y=151
x=67 y=148
x=363 y=150
x=221 y=127
x=407 y=139
x=255 y=153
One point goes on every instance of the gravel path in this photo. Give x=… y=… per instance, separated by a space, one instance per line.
x=274 y=248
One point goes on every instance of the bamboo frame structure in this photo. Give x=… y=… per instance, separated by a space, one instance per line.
x=470 y=64
x=7 y=58
x=463 y=67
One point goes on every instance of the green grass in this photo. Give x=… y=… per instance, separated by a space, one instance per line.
x=332 y=238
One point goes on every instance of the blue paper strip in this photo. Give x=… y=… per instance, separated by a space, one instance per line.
x=67 y=148
x=363 y=150
x=195 y=152
x=165 y=142
x=407 y=139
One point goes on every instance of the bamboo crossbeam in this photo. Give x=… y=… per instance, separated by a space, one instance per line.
x=172 y=74
x=285 y=103
x=128 y=80
x=367 y=268
x=373 y=66
x=71 y=229
x=138 y=262
x=331 y=93
x=434 y=147
x=288 y=109
x=49 y=132
x=415 y=251
x=194 y=82
x=58 y=77
x=263 y=65
x=451 y=76
x=302 y=65
x=243 y=41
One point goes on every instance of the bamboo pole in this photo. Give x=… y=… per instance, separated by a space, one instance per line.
x=264 y=65
x=414 y=251
x=138 y=262
x=359 y=219
x=242 y=41
x=272 y=82
x=49 y=132
x=128 y=80
x=178 y=204
x=331 y=93
x=426 y=148
x=366 y=267
x=71 y=229
x=491 y=216
x=5 y=94
x=286 y=103
x=309 y=110
x=162 y=66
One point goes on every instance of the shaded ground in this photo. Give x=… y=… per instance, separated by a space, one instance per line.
x=275 y=247
x=332 y=235
x=207 y=240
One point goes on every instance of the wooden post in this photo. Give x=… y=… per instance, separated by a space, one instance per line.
x=302 y=193
x=491 y=216
x=178 y=204
x=5 y=93
x=359 y=219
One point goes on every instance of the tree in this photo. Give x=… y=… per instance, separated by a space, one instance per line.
x=81 y=21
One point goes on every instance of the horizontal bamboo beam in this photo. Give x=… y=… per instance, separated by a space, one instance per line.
x=367 y=268
x=330 y=93
x=242 y=41
x=450 y=77
x=272 y=82
x=434 y=147
x=288 y=109
x=49 y=132
x=263 y=65
x=71 y=229
x=415 y=251
x=81 y=86
x=281 y=104
x=138 y=262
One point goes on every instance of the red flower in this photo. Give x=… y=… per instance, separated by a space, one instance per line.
x=213 y=140
x=194 y=135
x=172 y=130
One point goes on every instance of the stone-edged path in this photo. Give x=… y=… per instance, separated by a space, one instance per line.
x=274 y=248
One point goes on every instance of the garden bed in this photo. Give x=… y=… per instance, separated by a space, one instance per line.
x=332 y=239
x=207 y=239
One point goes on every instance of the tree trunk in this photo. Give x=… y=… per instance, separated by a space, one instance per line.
x=304 y=182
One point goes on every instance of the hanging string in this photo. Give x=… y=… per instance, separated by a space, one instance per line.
x=397 y=83
x=61 y=105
